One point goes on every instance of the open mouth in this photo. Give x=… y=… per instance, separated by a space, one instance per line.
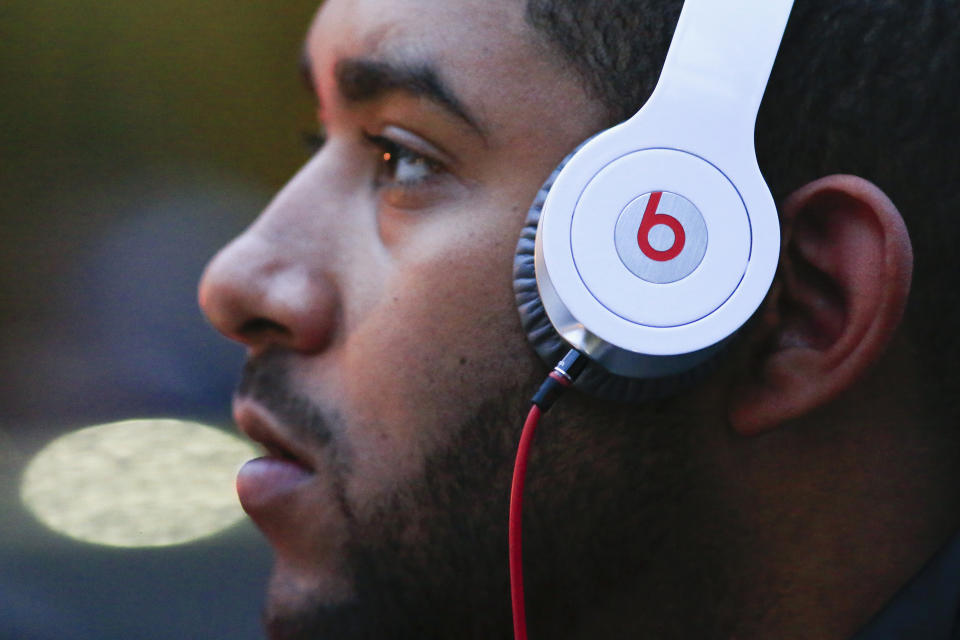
x=268 y=483
x=276 y=451
x=258 y=424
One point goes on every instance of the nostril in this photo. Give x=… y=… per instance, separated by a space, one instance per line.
x=258 y=329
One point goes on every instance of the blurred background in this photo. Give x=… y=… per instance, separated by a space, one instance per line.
x=135 y=139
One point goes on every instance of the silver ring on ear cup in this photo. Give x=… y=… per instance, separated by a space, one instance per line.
x=595 y=380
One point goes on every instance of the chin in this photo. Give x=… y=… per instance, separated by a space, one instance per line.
x=313 y=620
x=376 y=606
x=300 y=598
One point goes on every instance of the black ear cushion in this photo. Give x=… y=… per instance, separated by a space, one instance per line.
x=595 y=379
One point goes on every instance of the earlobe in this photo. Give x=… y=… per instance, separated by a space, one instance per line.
x=841 y=288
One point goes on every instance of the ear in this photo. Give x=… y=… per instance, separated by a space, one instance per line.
x=840 y=292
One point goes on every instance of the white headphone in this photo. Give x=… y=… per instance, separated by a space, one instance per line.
x=657 y=239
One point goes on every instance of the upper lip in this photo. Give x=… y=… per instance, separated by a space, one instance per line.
x=258 y=424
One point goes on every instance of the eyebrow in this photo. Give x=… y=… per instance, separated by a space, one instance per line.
x=361 y=80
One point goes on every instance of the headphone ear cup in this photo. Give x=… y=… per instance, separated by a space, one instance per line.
x=595 y=379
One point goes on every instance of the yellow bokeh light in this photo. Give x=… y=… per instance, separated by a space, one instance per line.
x=137 y=483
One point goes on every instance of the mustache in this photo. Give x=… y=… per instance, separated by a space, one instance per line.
x=266 y=379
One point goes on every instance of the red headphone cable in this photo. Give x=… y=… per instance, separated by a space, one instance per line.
x=562 y=377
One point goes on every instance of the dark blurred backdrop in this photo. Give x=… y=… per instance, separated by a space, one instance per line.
x=135 y=138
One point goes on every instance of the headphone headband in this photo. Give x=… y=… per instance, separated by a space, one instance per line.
x=659 y=238
x=724 y=51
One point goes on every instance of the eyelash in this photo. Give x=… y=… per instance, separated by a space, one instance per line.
x=391 y=153
x=397 y=159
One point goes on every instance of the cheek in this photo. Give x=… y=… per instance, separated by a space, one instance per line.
x=445 y=337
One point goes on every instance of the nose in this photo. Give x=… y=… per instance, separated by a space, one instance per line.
x=271 y=286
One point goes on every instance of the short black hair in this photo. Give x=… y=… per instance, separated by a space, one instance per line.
x=864 y=87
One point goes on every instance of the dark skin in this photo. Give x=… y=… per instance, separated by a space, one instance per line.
x=787 y=496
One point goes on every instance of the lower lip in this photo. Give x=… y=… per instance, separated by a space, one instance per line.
x=266 y=480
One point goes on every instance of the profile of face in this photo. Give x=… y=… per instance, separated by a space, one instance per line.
x=388 y=374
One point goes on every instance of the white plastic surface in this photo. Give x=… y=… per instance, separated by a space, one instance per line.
x=660 y=305
x=716 y=71
x=694 y=137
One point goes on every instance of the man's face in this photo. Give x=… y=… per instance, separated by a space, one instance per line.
x=375 y=297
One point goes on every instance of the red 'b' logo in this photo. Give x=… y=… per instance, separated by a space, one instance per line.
x=651 y=219
x=661 y=237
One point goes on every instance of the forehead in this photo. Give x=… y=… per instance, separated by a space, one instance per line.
x=482 y=48
x=464 y=27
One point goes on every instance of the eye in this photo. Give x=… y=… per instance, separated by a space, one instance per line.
x=401 y=166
